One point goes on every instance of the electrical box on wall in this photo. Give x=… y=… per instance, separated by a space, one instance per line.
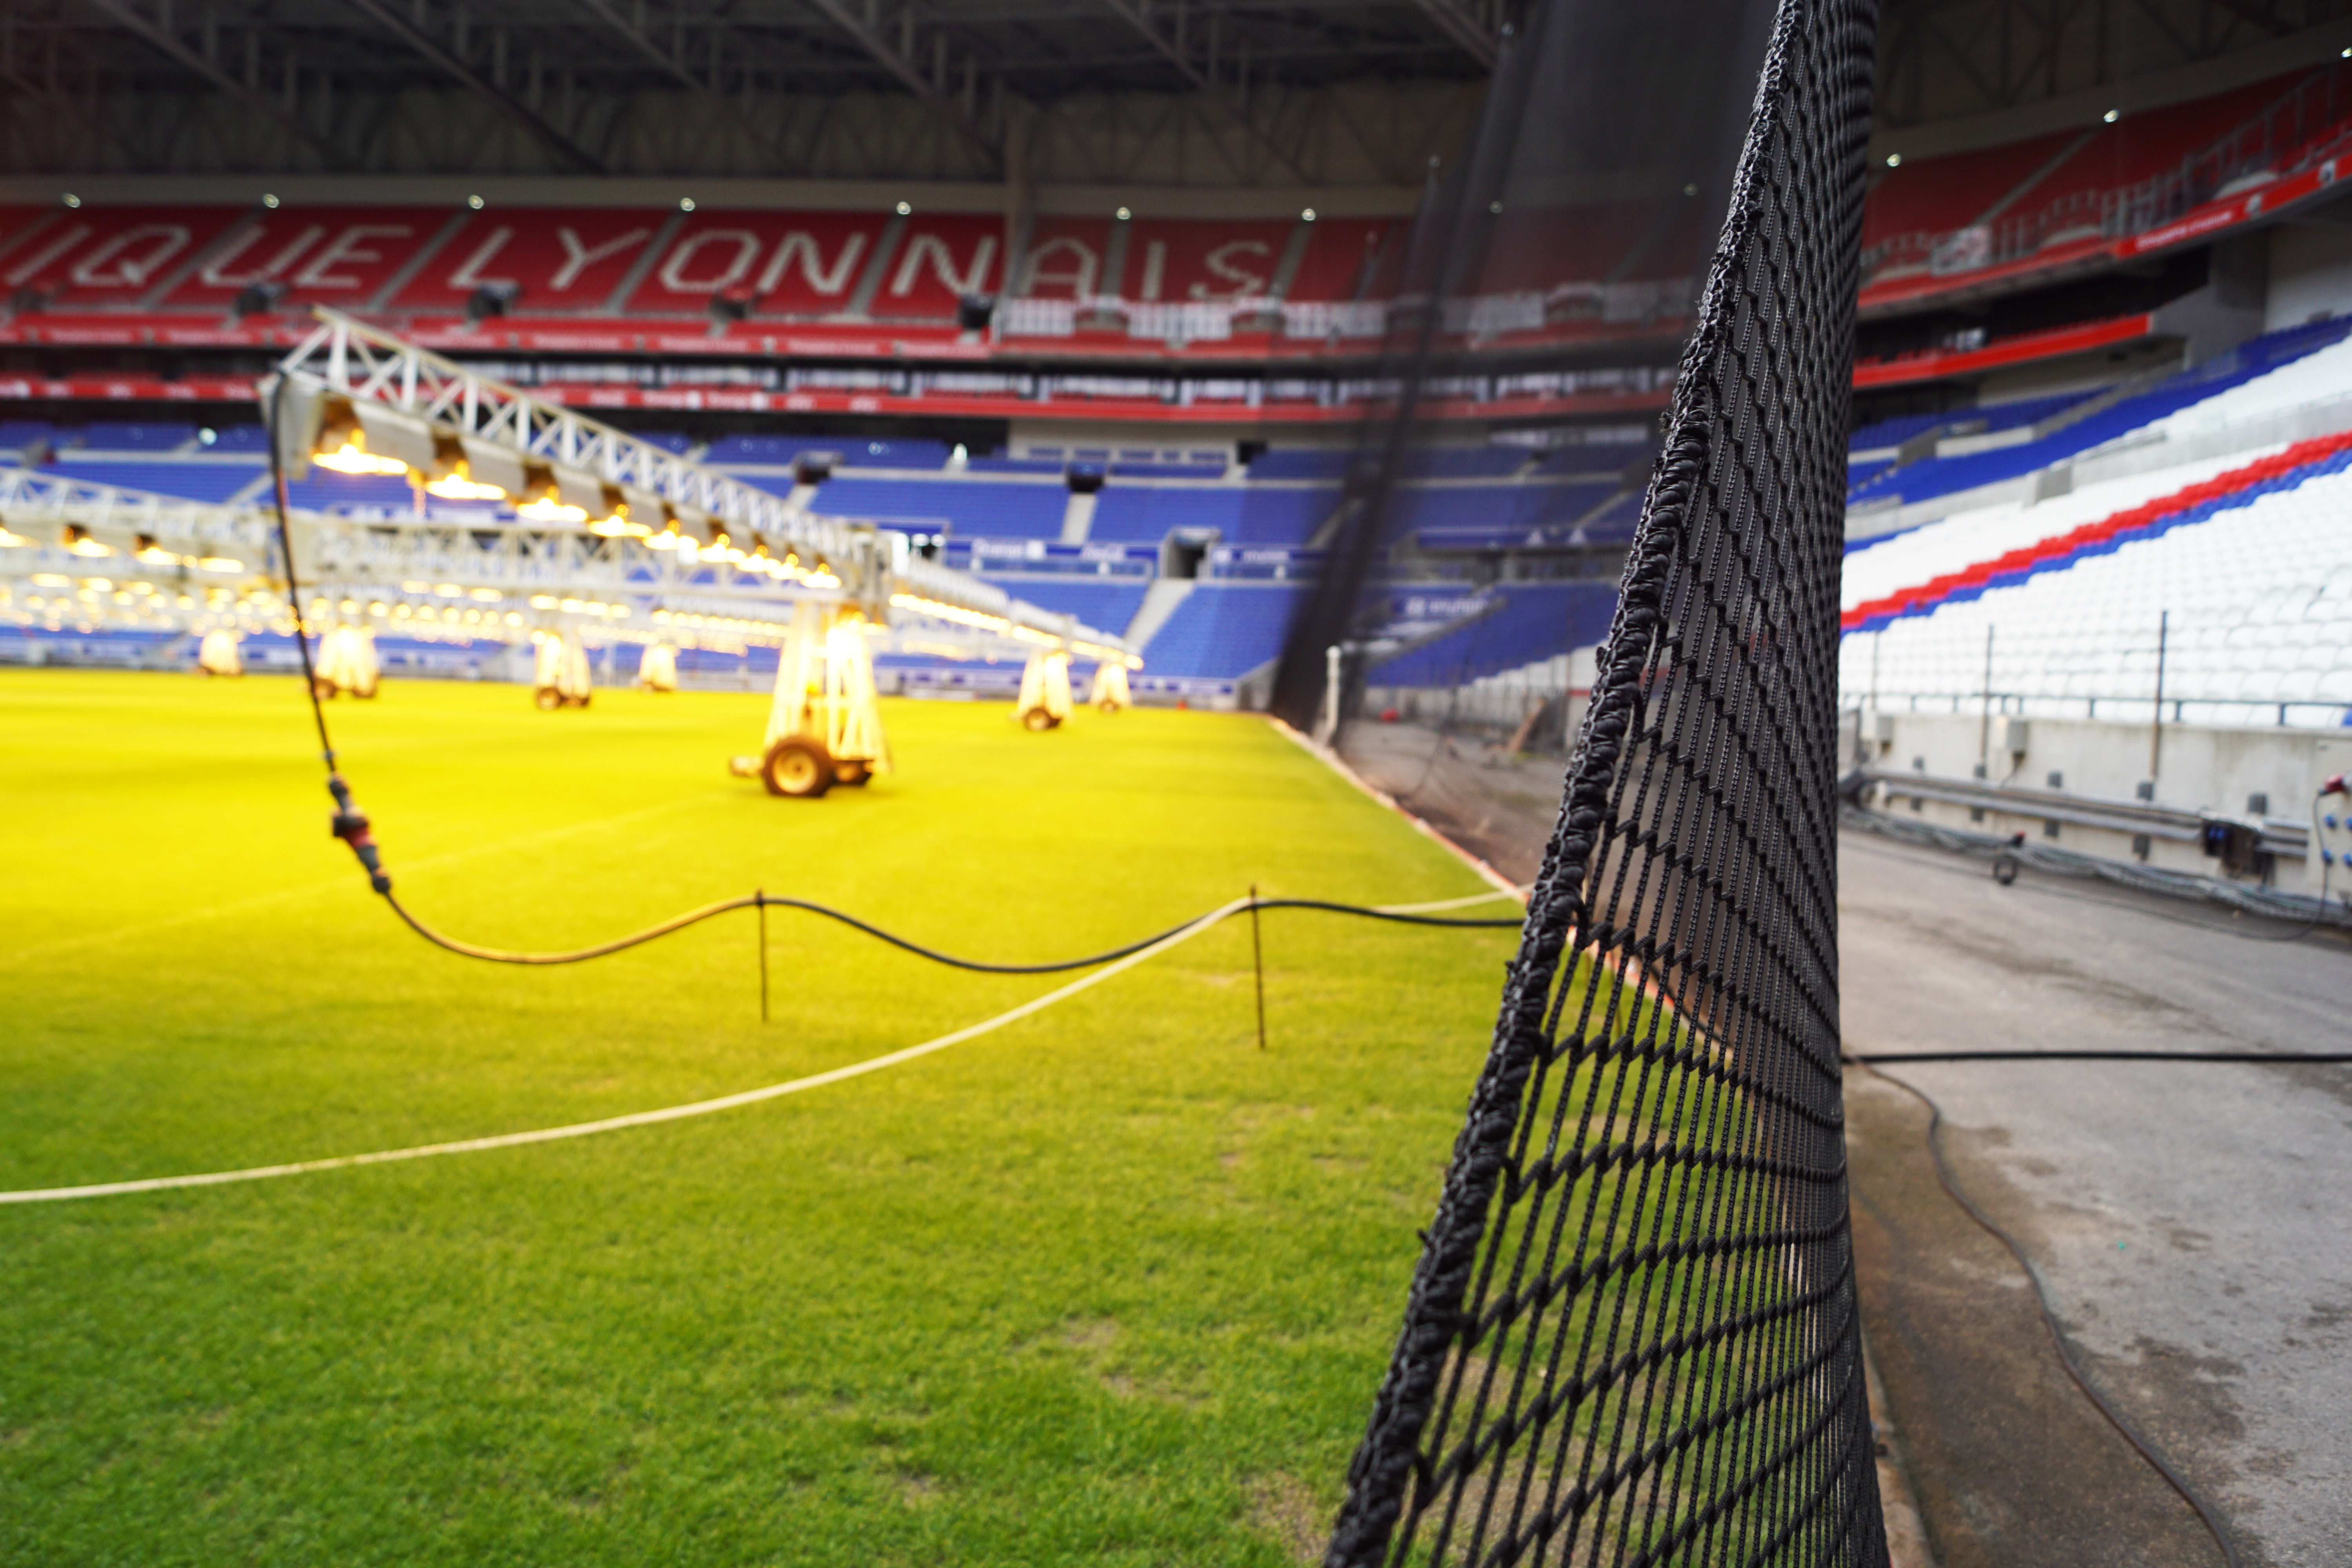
x=2016 y=736
x=2332 y=845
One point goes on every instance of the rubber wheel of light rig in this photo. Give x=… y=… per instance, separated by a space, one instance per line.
x=796 y=769
x=548 y=698
x=851 y=773
x=1039 y=720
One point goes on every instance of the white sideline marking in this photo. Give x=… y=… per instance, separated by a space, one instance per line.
x=1437 y=905
x=1331 y=759
x=639 y=1117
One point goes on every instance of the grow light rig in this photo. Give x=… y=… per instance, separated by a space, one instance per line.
x=645 y=523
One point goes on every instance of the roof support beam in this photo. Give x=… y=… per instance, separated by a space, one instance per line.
x=1469 y=35
x=1131 y=13
x=606 y=13
x=870 y=39
x=416 y=38
x=123 y=12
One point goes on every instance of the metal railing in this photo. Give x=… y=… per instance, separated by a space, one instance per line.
x=2304 y=127
x=2141 y=709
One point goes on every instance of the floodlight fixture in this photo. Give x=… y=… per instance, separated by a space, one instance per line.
x=458 y=485
x=353 y=457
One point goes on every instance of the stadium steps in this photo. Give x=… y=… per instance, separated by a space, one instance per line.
x=1078 y=516
x=1160 y=602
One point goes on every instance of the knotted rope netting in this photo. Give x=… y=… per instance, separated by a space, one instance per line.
x=1630 y=1338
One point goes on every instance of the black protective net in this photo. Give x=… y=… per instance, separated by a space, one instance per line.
x=1630 y=1338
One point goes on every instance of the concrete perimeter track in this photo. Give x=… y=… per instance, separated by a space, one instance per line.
x=2193 y=1223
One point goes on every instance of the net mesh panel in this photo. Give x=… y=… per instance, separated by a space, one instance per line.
x=1630 y=1338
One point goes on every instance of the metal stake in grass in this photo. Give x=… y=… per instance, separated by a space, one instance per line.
x=759 y=902
x=1257 y=962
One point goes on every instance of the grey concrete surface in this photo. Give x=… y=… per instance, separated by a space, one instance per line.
x=2193 y=1222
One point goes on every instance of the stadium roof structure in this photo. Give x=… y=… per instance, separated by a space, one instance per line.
x=1189 y=93
x=774 y=88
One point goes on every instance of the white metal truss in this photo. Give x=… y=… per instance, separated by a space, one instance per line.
x=416 y=405
x=74 y=554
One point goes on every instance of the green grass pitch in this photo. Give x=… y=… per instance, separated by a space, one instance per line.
x=1109 y=1286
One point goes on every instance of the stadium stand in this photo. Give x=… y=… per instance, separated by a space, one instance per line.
x=1883 y=566
x=1522 y=624
x=1242 y=514
x=1470 y=516
x=2251 y=571
x=1223 y=631
x=1302 y=463
x=2073 y=199
x=989 y=509
x=1942 y=475
x=1104 y=605
x=114 y=435
x=1934 y=196
x=192 y=481
x=2322 y=376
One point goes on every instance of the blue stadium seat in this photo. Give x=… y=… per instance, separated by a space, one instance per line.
x=1221 y=631
x=1533 y=621
x=114 y=435
x=1933 y=477
x=1105 y=605
x=995 y=509
x=324 y=490
x=211 y=482
x=1462 y=462
x=1302 y=463
x=1143 y=514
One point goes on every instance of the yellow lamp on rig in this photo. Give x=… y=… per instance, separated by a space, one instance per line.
x=78 y=541
x=1045 y=700
x=347 y=663
x=218 y=654
x=560 y=675
x=1110 y=693
x=824 y=723
x=343 y=448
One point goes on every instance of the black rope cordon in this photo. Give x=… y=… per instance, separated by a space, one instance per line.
x=351 y=824
x=775 y=901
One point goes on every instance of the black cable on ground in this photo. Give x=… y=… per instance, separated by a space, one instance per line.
x=1874 y=1057
x=1944 y=1178
x=2264 y=902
